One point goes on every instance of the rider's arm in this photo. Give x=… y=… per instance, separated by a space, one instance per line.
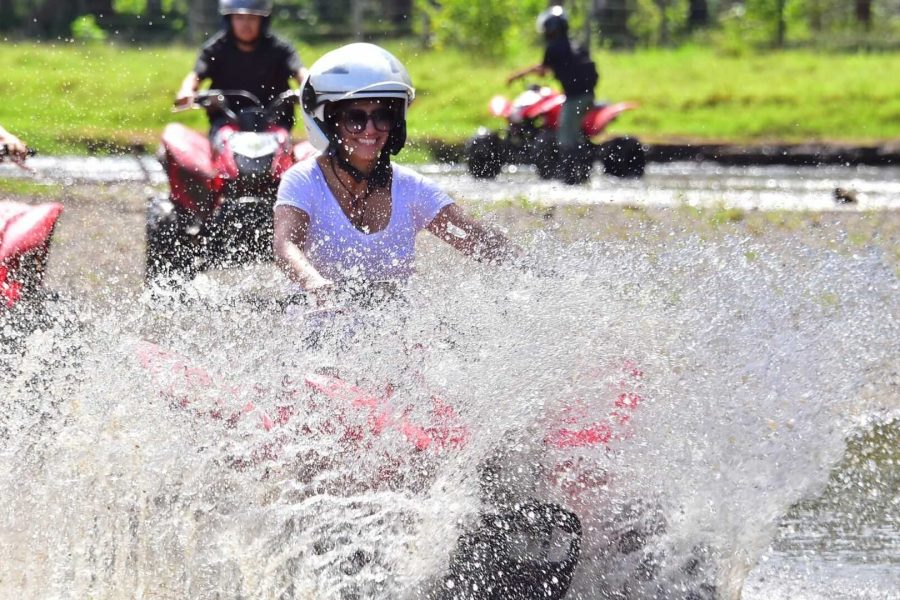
x=470 y=237
x=188 y=89
x=16 y=148
x=536 y=69
x=291 y=228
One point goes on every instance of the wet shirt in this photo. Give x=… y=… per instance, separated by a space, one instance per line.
x=573 y=67
x=340 y=251
x=264 y=72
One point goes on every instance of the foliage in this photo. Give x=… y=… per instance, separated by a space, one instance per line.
x=689 y=94
x=655 y=23
x=85 y=29
x=487 y=28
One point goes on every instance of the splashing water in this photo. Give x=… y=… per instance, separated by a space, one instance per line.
x=124 y=478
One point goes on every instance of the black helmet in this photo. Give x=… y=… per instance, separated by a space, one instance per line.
x=262 y=8
x=553 y=22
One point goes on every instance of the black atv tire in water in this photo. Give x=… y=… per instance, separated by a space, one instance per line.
x=545 y=155
x=576 y=165
x=527 y=552
x=484 y=155
x=623 y=157
x=169 y=252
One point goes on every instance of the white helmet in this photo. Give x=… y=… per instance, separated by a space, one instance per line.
x=353 y=72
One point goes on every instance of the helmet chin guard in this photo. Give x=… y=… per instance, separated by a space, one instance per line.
x=354 y=72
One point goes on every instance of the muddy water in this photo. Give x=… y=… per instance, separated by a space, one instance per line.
x=761 y=356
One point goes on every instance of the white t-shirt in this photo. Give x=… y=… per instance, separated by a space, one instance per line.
x=340 y=251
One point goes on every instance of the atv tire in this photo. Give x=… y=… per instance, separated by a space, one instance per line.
x=576 y=165
x=484 y=155
x=624 y=157
x=169 y=252
x=545 y=155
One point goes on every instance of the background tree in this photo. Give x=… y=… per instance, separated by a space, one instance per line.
x=698 y=14
x=864 y=13
x=203 y=19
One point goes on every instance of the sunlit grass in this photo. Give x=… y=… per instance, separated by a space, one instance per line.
x=25 y=188
x=69 y=98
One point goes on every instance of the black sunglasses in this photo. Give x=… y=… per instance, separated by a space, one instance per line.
x=355 y=120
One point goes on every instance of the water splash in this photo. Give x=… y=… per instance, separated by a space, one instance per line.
x=755 y=366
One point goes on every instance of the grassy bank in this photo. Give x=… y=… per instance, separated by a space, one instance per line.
x=71 y=98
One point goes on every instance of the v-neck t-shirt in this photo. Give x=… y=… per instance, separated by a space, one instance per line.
x=340 y=251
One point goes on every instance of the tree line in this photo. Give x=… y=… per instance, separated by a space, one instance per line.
x=489 y=26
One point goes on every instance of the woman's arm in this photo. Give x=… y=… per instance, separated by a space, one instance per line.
x=291 y=228
x=471 y=237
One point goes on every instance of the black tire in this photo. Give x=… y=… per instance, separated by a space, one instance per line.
x=576 y=165
x=545 y=154
x=624 y=157
x=169 y=252
x=484 y=155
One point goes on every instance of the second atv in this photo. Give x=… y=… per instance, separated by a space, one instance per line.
x=530 y=138
x=219 y=209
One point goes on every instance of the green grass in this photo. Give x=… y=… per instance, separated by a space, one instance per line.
x=70 y=98
x=23 y=187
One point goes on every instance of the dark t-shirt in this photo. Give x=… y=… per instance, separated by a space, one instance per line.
x=264 y=72
x=572 y=66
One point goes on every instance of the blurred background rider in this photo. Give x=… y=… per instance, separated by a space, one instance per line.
x=572 y=66
x=245 y=55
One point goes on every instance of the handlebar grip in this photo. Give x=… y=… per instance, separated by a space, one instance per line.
x=4 y=151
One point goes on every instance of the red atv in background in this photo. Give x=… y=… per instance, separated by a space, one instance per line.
x=219 y=208
x=530 y=138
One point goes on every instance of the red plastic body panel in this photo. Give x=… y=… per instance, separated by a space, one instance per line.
x=25 y=228
x=575 y=427
x=189 y=166
x=598 y=118
x=198 y=172
x=546 y=106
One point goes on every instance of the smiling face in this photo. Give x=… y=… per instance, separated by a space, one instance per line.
x=363 y=127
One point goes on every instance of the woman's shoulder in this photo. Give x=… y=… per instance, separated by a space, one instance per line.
x=408 y=178
x=300 y=183
x=304 y=172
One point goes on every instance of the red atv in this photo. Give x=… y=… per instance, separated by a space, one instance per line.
x=25 y=233
x=219 y=209
x=530 y=137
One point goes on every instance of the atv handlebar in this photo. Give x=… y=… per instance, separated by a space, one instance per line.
x=216 y=100
x=4 y=152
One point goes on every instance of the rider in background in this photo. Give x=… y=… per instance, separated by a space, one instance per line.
x=576 y=72
x=245 y=55
x=349 y=214
x=15 y=147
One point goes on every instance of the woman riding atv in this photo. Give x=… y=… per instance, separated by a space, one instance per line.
x=349 y=213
